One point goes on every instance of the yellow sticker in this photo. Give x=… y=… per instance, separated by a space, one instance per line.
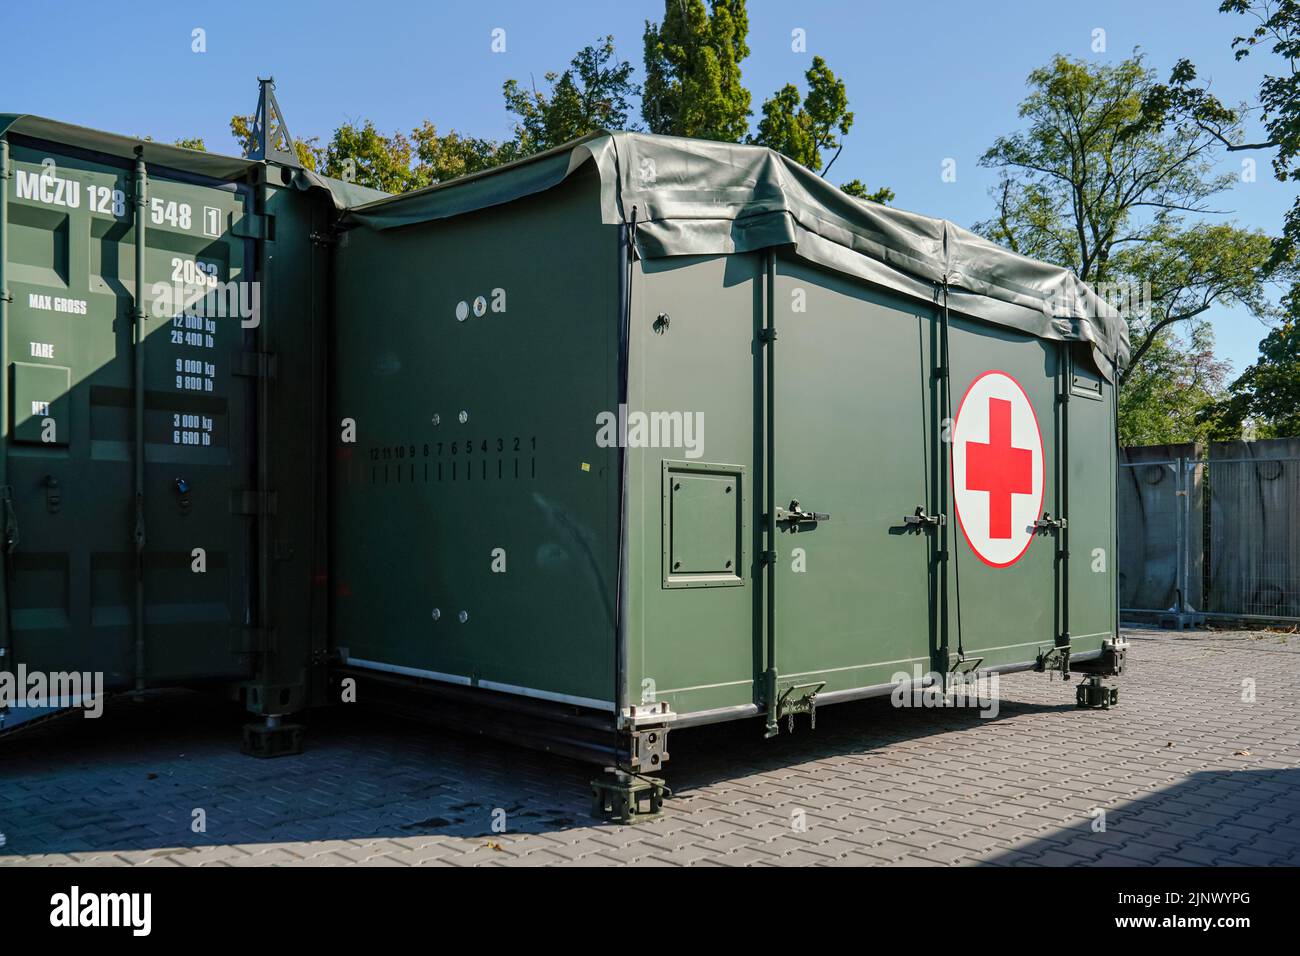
x=586 y=467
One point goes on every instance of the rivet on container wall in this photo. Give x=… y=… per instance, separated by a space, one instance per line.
x=464 y=616
x=437 y=419
x=436 y=614
x=464 y=417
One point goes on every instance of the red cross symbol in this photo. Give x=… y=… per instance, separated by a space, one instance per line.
x=999 y=468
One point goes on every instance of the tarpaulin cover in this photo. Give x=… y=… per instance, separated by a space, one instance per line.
x=197 y=162
x=696 y=197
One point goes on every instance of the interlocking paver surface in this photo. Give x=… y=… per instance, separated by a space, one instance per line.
x=1200 y=764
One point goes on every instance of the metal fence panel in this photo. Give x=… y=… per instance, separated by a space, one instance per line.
x=1254 y=544
x=1219 y=535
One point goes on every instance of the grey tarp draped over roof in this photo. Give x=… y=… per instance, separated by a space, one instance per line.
x=197 y=162
x=696 y=197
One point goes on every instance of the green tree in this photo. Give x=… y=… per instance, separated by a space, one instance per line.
x=593 y=93
x=1181 y=273
x=1266 y=397
x=692 y=70
x=1166 y=399
x=802 y=129
x=1276 y=29
x=359 y=152
x=1102 y=181
x=859 y=189
x=195 y=143
x=444 y=157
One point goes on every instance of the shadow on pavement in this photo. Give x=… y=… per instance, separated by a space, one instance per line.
x=141 y=776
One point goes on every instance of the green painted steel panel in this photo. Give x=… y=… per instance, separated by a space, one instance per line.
x=70 y=270
x=1092 y=530
x=40 y=404
x=1005 y=615
x=229 y=577
x=474 y=515
x=854 y=439
x=868 y=426
x=691 y=647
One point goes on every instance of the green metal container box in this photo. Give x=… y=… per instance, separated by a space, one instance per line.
x=162 y=462
x=645 y=433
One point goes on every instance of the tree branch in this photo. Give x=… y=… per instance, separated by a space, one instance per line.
x=1151 y=337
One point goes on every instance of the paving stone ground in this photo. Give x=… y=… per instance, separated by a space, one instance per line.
x=1185 y=770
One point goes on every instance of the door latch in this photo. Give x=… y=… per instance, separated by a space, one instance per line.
x=797 y=515
x=1047 y=524
x=920 y=517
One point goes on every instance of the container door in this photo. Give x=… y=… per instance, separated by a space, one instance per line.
x=852 y=432
x=1089 y=596
x=1002 y=582
x=70 y=453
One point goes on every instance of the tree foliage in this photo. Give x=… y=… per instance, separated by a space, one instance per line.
x=1106 y=179
x=859 y=189
x=1265 y=399
x=692 y=70
x=803 y=128
x=594 y=93
x=1275 y=29
x=693 y=87
x=1167 y=398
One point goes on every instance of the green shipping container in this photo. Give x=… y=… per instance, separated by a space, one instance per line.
x=162 y=462
x=647 y=432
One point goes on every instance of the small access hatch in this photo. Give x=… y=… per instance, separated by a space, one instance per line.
x=705 y=524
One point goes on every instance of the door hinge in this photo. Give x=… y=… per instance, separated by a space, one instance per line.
x=767 y=336
x=767 y=557
x=254 y=364
x=250 y=502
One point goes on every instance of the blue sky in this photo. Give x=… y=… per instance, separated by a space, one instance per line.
x=928 y=79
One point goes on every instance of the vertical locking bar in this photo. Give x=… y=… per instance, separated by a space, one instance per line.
x=139 y=334
x=7 y=559
x=769 y=451
x=1065 y=372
